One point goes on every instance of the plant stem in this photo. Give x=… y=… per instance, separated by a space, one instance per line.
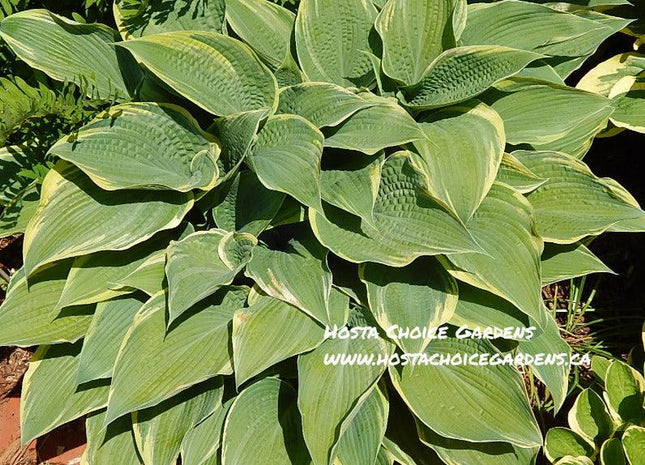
x=4 y=276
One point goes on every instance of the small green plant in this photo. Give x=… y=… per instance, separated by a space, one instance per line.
x=266 y=179
x=606 y=422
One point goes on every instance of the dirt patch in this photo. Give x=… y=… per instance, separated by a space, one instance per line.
x=11 y=451
x=63 y=446
x=13 y=365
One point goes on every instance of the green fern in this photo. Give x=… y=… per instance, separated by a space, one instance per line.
x=31 y=120
x=23 y=109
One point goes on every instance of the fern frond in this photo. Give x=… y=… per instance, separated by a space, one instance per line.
x=22 y=104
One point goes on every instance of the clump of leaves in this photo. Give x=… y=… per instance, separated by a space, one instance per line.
x=32 y=119
x=606 y=422
x=265 y=174
x=34 y=113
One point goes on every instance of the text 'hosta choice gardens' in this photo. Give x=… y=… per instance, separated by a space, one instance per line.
x=262 y=175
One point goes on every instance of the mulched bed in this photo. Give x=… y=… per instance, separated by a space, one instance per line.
x=13 y=364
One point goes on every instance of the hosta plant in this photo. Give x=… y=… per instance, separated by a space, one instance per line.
x=606 y=422
x=35 y=111
x=267 y=178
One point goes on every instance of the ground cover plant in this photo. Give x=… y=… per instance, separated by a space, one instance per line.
x=228 y=179
x=605 y=422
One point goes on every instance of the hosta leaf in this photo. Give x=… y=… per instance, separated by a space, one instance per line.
x=213 y=460
x=240 y=211
x=29 y=315
x=383 y=458
x=611 y=453
x=596 y=35
x=576 y=116
x=360 y=442
x=351 y=183
x=455 y=452
x=571 y=460
x=634 y=444
x=268 y=332
x=461 y=155
x=573 y=203
x=403 y=213
x=419 y=295
x=69 y=51
x=179 y=360
x=175 y=154
x=414 y=33
x=291 y=212
x=477 y=307
x=101 y=344
x=148 y=277
x=604 y=76
x=327 y=394
x=286 y=158
x=542 y=72
x=111 y=444
x=16 y=215
x=590 y=418
x=459 y=18
x=578 y=141
x=599 y=366
x=265 y=415
x=96 y=277
x=590 y=3
x=201 y=263
x=625 y=391
x=159 y=430
x=538 y=28
x=436 y=393
x=236 y=133
x=461 y=73
x=560 y=442
x=52 y=376
x=519 y=177
x=560 y=262
x=510 y=268
x=202 y=443
x=386 y=86
x=394 y=452
x=330 y=38
x=321 y=103
x=633 y=225
x=58 y=231
x=156 y=16
x=296 y=273
x=265 y=26
x=402 y=440
x=555 y=376
x=628 y=96
x=218 y=73
x=371 y=129
x=288 y=74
